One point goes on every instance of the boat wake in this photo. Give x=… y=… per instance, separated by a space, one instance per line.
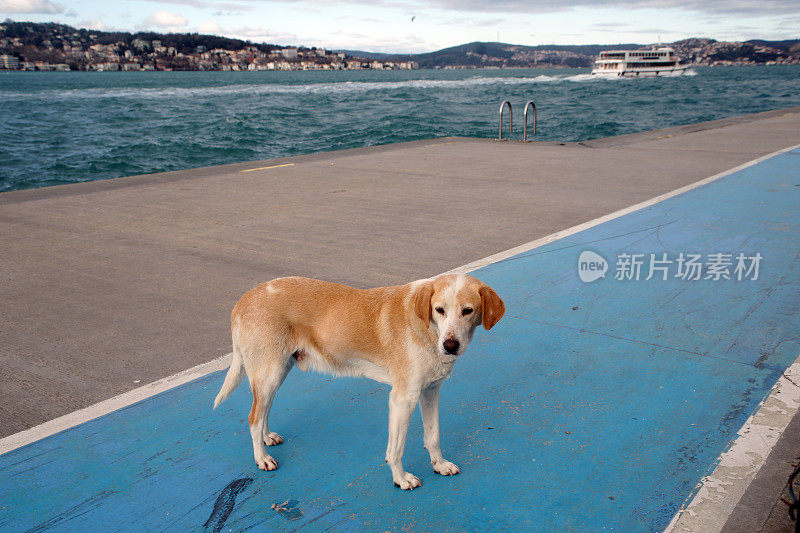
x=330 y=88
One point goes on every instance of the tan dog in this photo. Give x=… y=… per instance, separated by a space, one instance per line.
x=408 y=336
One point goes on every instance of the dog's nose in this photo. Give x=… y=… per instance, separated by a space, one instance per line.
x=450 y=346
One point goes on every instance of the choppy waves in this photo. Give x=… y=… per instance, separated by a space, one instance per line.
x=342 y=87
x=70 y=127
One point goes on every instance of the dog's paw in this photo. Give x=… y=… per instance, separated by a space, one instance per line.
x=446 y=468
x=407 y=481
x=272 y=439
x=266 y=462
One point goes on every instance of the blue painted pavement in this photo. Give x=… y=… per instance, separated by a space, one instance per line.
x=590 y=406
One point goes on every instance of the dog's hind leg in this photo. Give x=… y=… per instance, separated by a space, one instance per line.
x=264 y=384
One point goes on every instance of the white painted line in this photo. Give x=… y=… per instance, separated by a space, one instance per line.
x=718 y=493
x=616 y=214
x=267 y=168
x=75 y=418
x=97 y=410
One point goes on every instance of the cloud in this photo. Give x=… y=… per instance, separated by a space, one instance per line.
x=209 y=27
x=626 y=27
x=789 y=24
x=97 y=25
x=220 y=6
x=165 y=19
x=403 y=44
x=248 y=33
x=760 y=7
x=545 y=6
x=609 y=25
x=260 y=34
x=717 y=7
x=484 y=23
x=30 y=6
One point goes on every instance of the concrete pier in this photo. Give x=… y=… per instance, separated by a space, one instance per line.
x=112 y=284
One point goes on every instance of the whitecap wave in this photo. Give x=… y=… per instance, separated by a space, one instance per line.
x=341 y=87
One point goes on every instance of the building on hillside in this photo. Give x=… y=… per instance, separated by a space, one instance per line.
x=9 y=62
x=106 y=67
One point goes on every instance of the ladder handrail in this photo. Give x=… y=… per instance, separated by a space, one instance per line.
x=525 y=120
x=510 y=119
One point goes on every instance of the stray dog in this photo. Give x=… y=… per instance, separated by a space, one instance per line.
x=408 y=336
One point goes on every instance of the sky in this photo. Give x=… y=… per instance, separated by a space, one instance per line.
x=411 y=26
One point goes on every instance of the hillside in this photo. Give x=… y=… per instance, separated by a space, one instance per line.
x=494 y=54
x=50 y=46
x=698 y=50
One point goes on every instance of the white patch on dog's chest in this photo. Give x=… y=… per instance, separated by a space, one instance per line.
x=430 y=366
x=441 y=369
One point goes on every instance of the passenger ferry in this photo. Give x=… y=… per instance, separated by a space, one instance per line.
x=639 y=63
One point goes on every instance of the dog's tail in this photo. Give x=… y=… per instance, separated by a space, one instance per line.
x=233 y=378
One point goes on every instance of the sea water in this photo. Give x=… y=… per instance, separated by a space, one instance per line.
x=65 y=127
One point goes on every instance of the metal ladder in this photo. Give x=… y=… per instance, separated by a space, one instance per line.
x=528 y=105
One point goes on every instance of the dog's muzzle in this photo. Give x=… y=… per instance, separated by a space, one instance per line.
x=451 y=346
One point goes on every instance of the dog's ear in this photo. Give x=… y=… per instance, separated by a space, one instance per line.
x=422 y=302
x=492 y=307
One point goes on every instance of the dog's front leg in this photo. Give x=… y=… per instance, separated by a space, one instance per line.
x=429 y=405
x=401 y=406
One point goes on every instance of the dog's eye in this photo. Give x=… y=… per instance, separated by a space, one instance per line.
x=440 y=310
x=467 y=311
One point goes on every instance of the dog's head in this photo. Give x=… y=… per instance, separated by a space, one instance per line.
x=455 y=304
